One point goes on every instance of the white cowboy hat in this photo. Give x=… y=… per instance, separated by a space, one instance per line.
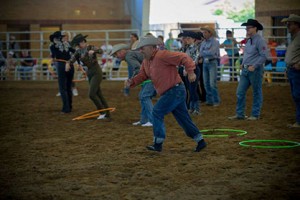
x=292 y=18
x=118 y=47
x=148 y=41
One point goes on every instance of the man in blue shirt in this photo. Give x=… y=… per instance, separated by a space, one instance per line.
x=210 y=53
x=255 y=55
x=230 y=46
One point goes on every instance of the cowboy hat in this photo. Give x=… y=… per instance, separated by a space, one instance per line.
x=148 y=41
x=253 y=22
x=56 y=34
x=209 y=29
x=292 y=18
x=118 y=47
x=77 y=39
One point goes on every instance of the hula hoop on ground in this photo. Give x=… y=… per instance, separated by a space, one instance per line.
x=93 y=114
x=239 y=132
x=292 y=144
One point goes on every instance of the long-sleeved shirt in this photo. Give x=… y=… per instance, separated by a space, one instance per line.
x=83 y=56
x=255 y=52
x=161 y=68
x=134 y=59
x=210 y=48
x=61 y=50
x=292 y=55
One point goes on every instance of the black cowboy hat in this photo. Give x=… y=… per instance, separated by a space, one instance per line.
x=253 y=22
x=56 y=34
x=77 y=39
x=199 y=36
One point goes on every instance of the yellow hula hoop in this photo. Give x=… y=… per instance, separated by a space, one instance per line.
x=93 y=113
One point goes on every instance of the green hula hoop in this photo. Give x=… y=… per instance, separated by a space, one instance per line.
x=292 y=144
x=239 y=132
x=145 y=82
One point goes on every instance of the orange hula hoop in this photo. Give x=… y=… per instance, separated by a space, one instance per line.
x=93 y=113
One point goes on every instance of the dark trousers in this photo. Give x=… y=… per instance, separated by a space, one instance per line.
x=65 y=85
x=184 y=80
x=201 y=89
x=294 y=78
x=95 y=93
x=193 y=87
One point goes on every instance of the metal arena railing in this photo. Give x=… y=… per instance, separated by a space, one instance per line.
x=37 y=42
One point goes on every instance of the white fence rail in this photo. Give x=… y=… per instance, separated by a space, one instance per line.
x=37 y=42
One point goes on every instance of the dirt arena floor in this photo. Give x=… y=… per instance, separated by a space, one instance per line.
x=46 y=155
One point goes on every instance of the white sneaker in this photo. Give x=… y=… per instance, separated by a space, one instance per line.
x=136 y=123
x=101 y=116
x=58 y=94
x=148 y=124
x=75 y=92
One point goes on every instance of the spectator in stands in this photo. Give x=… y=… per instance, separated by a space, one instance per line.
x=272 y=55
x=255 y=56
x=61 y=52
x=135 y=59
x=105 y=58
x=210 y=53
x=292 y=59
x=171 y=44
x=162 y=45
x=87 y=54
x=231 y=48
x=26 y=65
x=134 y=39
x=14 y=46
x=10 y=64
x=161 y=67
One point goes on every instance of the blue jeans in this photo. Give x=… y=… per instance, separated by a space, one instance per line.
x=193 y=87
x=65 y=85
x=210 y=82
x=145 y=96
x=130 y=70
x=248 y=79
x=294 y=78
x=25 y=70
x=173 y=101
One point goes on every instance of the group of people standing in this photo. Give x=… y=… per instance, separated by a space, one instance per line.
x=172 y=74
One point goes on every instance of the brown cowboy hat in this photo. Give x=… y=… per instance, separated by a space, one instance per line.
x=78 y=38
x=209 y=29
x=253 y=22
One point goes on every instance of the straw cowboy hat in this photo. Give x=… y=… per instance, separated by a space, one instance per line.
x=209 y=29
x=253 y=22
x=292 y=18
x=118 y=47
x=77 y=39
x=148 y=41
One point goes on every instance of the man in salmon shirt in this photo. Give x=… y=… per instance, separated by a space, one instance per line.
x=161 y=67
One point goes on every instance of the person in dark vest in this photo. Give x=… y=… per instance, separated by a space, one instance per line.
x=61 y=52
